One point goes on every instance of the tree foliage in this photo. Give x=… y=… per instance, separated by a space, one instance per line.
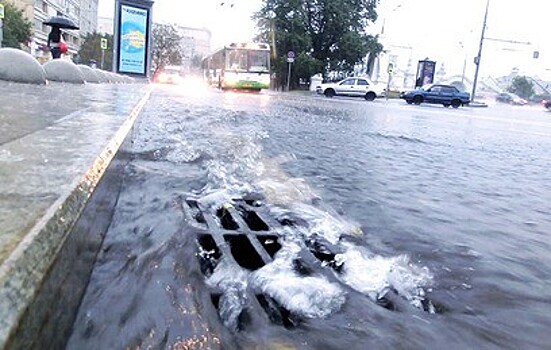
x=90 y=49
x=326 y=34
x=522 y=86
x=167 y=48
x=17 y=29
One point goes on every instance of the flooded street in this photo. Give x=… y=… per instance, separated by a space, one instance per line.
x=274 y=221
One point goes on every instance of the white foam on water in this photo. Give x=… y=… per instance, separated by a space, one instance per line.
x=374 y=275
x=236 y=160
x=225 y=276
x=308 y=296
x=324 y=223
x=216 y=198
x=181 y=151
x=232 y=282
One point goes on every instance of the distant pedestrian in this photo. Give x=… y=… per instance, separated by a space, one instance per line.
x=54 y=42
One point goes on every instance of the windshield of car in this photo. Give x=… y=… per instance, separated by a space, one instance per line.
x=347 y=82
x=233 y=200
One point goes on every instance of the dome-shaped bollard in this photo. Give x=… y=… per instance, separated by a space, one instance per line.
x=63 y=71
x=90 y=74
x=21 y=67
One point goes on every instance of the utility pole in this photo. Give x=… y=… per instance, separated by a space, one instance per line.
x=477 y=58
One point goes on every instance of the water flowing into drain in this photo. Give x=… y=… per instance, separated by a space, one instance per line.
x=276 y=254
x=279 y=265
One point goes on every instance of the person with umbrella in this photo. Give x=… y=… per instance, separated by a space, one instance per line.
x=55 y=43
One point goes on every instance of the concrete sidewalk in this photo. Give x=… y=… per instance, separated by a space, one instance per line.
x=55 y=143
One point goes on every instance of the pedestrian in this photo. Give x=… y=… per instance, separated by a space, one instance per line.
x=54 y=42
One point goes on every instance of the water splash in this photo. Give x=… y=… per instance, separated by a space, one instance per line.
x=324 y=223
x=237 y=166
x=232 y=283
x=308 y=296
x=374 y=275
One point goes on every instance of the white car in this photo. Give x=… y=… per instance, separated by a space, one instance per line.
x=357 y=87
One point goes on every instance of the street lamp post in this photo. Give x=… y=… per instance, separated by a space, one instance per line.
x=477 y=58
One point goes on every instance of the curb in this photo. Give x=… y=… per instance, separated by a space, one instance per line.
x=23 y=273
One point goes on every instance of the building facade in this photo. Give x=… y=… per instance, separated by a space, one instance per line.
x=83 y=12
x=195 y=44
x=105 y=25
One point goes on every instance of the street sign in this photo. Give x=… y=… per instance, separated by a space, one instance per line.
x=103 y=43
x=1 y=11
x=390 y=68
x=290 y=60
x=291 y=54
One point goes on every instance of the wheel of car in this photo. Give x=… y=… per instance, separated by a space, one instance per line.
x=409 y=102
x=329 y=93
x=446 y=105
x=370 y=96
x=418 y=99
x=456 y=103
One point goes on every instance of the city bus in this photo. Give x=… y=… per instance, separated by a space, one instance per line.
x=239 y=66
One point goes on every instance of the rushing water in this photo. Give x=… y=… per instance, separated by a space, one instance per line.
x=443 y=213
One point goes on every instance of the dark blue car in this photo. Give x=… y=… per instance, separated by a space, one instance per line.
x=445 y=95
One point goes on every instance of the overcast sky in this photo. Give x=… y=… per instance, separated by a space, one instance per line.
x=443 y=30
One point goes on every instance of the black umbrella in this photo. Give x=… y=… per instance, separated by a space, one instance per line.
x=61 y=22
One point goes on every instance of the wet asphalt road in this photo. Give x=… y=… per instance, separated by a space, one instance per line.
x=428 y=204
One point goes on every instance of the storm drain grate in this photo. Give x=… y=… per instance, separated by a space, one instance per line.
x=244 y=234
x=254 y=221
x=243 y=252
x=270 y=243
x=209 y=255
x=226 y=220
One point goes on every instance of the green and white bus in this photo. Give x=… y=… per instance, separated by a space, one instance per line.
x=239 y=66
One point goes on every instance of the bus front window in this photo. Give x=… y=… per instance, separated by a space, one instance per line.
x=237 y=60
x=259 y=61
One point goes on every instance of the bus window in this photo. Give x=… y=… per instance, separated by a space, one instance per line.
x=259 y=61
x=237 y=60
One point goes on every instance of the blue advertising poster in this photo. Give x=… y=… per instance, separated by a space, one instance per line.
x=425 y=73
x=133 y=38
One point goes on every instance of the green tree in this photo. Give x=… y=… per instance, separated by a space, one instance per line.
x=522 y=86
x=167 y=48
x=90 y=49
x=328 y=34
x=17 y=29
